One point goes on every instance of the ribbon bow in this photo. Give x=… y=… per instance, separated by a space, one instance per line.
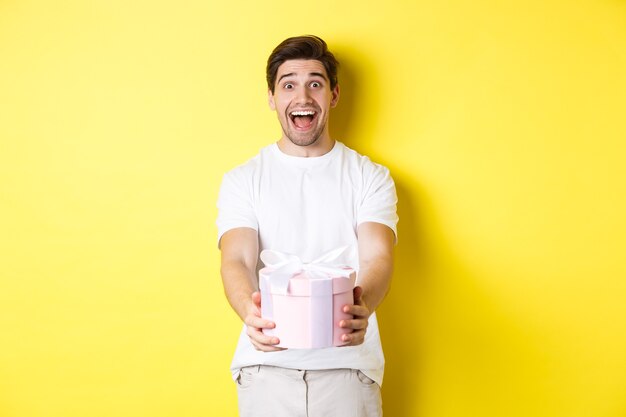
x=286 y=266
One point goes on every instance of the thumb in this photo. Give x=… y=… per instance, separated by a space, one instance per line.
x=256 y=299
x=357 y=293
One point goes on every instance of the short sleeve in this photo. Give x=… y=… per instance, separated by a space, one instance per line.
x=379 y=199
x=235 y=205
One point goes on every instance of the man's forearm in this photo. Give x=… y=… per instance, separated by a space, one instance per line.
x=375 y=279
x=240 y=252
x=239 y=258
x=239 y=284
x=376 y=243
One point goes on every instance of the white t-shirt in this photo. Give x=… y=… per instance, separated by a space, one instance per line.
x=307 y=207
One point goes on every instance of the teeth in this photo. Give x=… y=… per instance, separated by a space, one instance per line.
x=303 y=113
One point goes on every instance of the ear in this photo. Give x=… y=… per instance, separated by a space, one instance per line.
x=270 y=100
x=335 y=96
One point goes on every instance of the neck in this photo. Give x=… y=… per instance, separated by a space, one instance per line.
x=321 y=147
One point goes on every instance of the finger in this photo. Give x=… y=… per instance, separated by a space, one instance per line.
x=356 y=310
x=256 y=335
x=265 y=348
x=256 y=298
x=356 y=324
x=259 y=322
x=355 y=338
x=357 y=293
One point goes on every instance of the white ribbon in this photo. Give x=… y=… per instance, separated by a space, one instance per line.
x=286 y=266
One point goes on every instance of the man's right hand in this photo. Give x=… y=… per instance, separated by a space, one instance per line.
x=255 y=325
x=240 y=252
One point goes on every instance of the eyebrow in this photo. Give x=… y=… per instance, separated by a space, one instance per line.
x=311 y=74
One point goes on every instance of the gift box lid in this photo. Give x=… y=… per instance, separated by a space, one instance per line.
x=300 y=283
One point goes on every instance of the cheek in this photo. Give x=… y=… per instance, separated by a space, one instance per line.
x=325 y=99
x=283 y=106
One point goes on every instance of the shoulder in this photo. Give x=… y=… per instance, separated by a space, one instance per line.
x=249 y=169
x=363 y=164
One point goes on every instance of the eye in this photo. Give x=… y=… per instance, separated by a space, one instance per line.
x=287 y=86
x=315 y=84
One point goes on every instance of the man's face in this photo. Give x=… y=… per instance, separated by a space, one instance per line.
x=302 y=99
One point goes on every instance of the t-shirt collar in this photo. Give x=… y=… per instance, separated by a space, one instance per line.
x=306 y=162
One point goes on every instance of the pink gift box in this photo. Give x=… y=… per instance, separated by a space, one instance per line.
x=308 y=313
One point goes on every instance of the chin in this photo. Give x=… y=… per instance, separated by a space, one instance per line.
x=303 y=141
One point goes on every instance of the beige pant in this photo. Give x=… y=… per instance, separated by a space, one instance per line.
x=278 y=392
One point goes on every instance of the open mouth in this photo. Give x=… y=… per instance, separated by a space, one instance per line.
x=303 y=119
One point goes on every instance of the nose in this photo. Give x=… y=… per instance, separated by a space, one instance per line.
x=303 y=96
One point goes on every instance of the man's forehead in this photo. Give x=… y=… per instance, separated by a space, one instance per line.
x=301 y=67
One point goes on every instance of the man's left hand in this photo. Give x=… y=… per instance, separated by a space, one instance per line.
x=361 y=313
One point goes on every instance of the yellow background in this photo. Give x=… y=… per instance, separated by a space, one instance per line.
x=502 y=123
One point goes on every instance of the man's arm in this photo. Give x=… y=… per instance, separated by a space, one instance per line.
x=375 y=269
x=240 y=250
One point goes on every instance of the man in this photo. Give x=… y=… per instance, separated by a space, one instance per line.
x=306 y=195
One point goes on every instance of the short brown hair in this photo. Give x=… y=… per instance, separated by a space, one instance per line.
x=301 y=47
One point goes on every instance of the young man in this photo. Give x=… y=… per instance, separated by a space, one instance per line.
x=306 y=195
